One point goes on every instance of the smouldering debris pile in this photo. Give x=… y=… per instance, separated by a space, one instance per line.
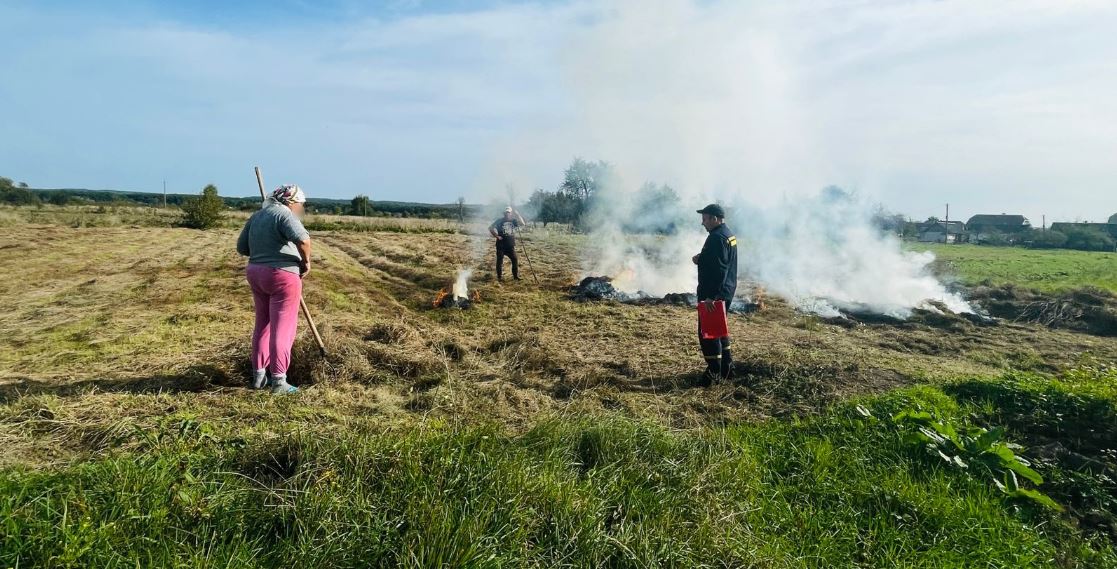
x=457 y=295
x=932 y=313
x=596 y=289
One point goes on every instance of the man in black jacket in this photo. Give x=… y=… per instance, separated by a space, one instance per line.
x=717 y=280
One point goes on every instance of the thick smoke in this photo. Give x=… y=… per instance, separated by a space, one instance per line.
x=820 y=252
x=709 y=98
x=824 y=254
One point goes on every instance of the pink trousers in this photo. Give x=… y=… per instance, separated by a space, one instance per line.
x=276 y=294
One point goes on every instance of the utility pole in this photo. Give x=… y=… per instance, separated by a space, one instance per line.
x=946 y=236
x=1045 y=223
x=164 y=194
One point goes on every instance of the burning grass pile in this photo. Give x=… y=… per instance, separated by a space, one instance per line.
x=447 y=299
x=457 y=295
x=933 y=314
x=598 y=289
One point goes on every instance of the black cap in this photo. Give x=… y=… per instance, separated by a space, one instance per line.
x=714 y=210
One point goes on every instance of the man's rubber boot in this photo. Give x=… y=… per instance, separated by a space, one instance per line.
x=712 y=372
x=726 y=371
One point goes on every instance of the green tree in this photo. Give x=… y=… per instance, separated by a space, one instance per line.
x=360 y=205
x=203 y=212
x=10 y=193
x=657 y=210
x=553 y=207
x=583 y=179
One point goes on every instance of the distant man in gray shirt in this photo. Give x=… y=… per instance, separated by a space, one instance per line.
x=504 y=231
x=278 y=250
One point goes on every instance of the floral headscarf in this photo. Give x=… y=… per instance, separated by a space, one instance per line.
x=288 y=194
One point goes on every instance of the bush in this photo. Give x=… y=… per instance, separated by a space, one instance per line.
x=1088 y=239
x=203 y=212
x=995 y=238
x=1049 y=239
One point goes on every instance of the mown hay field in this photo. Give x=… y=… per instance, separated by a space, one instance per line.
x=530 y=430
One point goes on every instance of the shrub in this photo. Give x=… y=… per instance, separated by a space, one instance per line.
x=994 y=238
x=1049 y=239
x=203 y=212
x=1088 y=239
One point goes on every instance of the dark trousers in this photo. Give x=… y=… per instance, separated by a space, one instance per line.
x=719 y=357
x=506 y=246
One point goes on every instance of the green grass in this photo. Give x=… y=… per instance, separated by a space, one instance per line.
x=126 y=452
x=1048 y=270
x=845 y=488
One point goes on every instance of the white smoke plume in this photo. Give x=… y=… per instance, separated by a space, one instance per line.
x=460 y=289
x=714 y=100
x=824 y=254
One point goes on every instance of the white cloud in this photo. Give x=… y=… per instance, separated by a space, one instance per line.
x=991 y=106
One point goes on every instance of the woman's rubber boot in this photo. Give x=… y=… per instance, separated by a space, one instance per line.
x=259 y=379
x=280 y=386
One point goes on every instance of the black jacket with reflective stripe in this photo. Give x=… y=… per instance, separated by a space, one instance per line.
x=717 y=266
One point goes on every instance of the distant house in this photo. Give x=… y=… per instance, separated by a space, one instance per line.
x=985 y=227
x=941 y=231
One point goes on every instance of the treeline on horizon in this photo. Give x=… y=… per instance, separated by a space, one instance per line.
x=579 y=201
x=21 y=194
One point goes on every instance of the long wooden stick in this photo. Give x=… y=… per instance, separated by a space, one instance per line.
x=302 y=303
x=523 y=246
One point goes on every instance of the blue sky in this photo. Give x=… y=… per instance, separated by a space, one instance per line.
x=991 y=106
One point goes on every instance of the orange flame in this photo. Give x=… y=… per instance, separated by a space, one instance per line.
x=442 y=294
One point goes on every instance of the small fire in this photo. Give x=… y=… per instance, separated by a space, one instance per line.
x=440 y=297
x=625 y=279
x=457 y=295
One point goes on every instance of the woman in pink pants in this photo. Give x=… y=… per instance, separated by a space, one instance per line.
x=278 y=250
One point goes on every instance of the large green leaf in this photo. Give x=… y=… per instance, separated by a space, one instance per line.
x=1038 y=497
x=1026 y=472
x=988 y=438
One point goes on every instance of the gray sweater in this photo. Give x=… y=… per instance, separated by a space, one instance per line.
x=269 y=237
